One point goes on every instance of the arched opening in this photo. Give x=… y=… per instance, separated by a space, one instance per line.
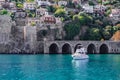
x=66 y=49
x=91 y=49
x=53 y=49
x=76 y=47
x=103 y=49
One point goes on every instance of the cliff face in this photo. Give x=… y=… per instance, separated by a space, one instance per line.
x=5 y=30
x=116 y=36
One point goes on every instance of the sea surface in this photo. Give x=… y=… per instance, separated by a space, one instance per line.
x=59 y=67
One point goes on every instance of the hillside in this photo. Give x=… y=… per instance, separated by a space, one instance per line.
x=116 y=36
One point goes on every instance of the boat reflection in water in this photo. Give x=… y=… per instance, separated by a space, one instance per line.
x=80 y=69
x=80 y=63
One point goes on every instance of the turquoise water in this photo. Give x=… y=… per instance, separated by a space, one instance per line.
x=59 y=67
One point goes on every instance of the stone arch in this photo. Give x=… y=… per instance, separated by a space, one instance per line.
x=76 y=46
x=91 y=49
x=103 y=49
x=53 y=48
x=66 y=48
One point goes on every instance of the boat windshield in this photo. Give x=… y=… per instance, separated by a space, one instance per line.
x=79 y=46
x=81 y=50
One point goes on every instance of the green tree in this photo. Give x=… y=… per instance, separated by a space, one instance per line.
x=83 y=18
x=93 y=34
x=72 y=29
x=51 y=9
x=60 y=13
x=107 y=32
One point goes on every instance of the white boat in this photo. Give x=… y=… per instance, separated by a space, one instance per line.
x=80 y=53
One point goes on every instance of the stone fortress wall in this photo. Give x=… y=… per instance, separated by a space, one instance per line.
x=15 y=38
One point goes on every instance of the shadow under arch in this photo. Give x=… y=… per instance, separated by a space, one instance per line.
x=91 y=49
x=76 y=46
x=103 y=49
x=53 y=49
x=66 y=49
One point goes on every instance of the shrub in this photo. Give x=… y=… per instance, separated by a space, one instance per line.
x=3 y=12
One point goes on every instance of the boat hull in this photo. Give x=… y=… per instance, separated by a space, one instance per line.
x=80 y=56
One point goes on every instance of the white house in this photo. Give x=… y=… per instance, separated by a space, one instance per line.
x=20 y=14
x=43 y=2
x=41 y=12
x=87 y=8
x=30 y=5
x=60 y=3
x=115 y=14
x=2 y=1
x=99 y=7
x=12 y=4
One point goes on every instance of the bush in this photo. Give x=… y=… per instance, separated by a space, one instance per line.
x=19 y=5
x=106 y=3
x=93 y=34
x=32 y=23
x=99 y=1
x=3 y=12
x=60 y=13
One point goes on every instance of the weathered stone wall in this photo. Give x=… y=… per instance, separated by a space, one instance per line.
x=5 y=30
x=30 y=37
x=115 y=47
x=16 y=39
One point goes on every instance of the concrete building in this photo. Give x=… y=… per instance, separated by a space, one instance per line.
x=51 y=21
x=20 y=14
x=43 y=2
x=40 y=12
x=64 y=3
x=87 y=8
x=99 y=9
x=29 y=6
